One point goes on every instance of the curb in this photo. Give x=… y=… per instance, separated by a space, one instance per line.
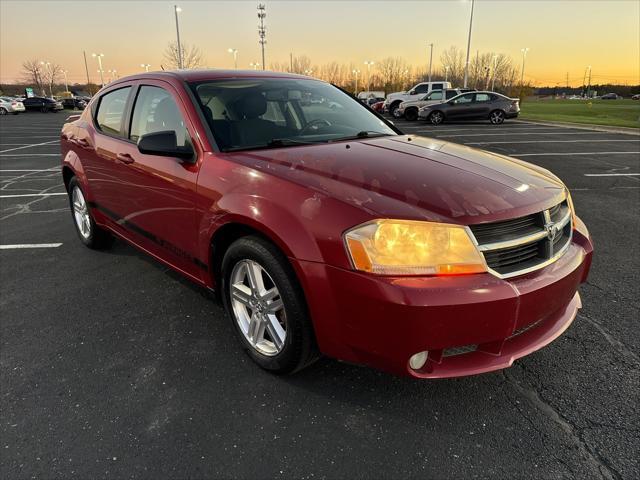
x=583 y=126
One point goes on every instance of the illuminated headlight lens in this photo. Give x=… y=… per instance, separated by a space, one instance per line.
x=405 y=247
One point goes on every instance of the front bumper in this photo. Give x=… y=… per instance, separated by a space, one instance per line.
x=469 y=324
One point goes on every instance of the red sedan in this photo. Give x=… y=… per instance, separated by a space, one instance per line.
x=323 y=228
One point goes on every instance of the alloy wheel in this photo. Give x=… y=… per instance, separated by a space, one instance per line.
x=81 y=213
x=497 y=117
x=258 y=308
x=3 y=111
x=436 y=118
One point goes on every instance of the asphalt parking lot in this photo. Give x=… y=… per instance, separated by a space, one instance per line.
x=113 y=366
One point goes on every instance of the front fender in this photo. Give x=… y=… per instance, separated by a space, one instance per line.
x=72 y=161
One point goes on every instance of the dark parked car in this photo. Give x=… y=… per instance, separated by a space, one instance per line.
x=74 y=103
x=42 y=104
x=472 y=106
x=610 y=96
x=326 y=230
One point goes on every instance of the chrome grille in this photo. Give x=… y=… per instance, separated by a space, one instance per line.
x=514 y=247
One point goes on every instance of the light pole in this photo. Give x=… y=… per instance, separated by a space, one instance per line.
x=66 y=81
x=234 y=51
x=446 y=73
x=145 y=66
x=254 y=65
x=493 y=73
x=113 y=75
x=356 y=72
x=308 y=72
x=177 y=10
x=430 y=59
x=368 y=63
x=466 y=66
x=524 y=57
x=589 y=84
x=99 y=57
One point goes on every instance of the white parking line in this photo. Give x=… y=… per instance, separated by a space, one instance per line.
x=28 y=146
x=32 y=195
x=46 y=170
x=612 y=174
x=570 y=154
x=30 y=245
x=30 y=155
x=524 y=133
x=548 y=141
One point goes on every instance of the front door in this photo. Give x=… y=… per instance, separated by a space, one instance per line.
x=460 y=107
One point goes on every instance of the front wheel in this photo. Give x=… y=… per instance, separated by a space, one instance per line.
x=496 y=117
x=44 y=109
x=411 y=114
x=89 y=233
x=436 y=118
x=392 y=109
x=267 y=306
x=3 y=111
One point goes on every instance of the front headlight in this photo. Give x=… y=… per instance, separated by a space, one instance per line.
x=406 y=247
x=571 y=208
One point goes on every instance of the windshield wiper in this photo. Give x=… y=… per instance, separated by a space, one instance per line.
x=363 y=134
x=276 y=142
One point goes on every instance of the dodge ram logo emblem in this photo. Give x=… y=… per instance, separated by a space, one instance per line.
x=552 y=230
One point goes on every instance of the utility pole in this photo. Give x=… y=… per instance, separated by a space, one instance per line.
x=524 y=56
x=290 y=62
x=567 y=79
x=589 y=84
x=177 y=10
x=262 y=31
x=86 y=67
x=466 y=67
x=430 y=60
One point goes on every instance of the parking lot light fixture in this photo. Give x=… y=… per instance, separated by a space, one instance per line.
x=308 y=72
x=493 y=72
x=446 y=73
x=466 y=65
x=48 y=65
x=99 y=56
x=356 y=72
x=66 y=81
x=145 y=66
x=234 y=51
x=368 y=63
x=177 y=10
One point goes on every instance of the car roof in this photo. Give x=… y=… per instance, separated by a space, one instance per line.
x=211 y=74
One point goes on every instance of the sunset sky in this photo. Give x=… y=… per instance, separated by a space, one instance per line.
x=564 y=36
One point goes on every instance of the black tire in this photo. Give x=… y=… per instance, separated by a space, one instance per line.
x=299 y=347
x=44 y=109
x=411 y=114
x=3 y=111
x=436 y=118
x=497 y=117
x=393 y=107
x=98 y=238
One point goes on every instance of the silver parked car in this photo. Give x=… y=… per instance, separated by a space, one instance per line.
x=10 y=105
x=409 y=108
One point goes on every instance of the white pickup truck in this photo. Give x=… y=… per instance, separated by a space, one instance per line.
x=393 y=100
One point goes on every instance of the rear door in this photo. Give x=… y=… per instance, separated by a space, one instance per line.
x=157 y=193
x=482 y=105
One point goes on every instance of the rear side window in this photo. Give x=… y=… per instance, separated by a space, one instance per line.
x=451 y=94
x=437 y=86
x=155 y=110
x=111 y=111
x=483 y=97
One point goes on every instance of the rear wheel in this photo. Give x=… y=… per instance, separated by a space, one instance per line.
x=89 y=233
x=267 y=306
x=496 y=117
x=3 y=111
x=436 y=118
x=411 y=114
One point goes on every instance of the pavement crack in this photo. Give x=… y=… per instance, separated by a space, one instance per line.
x=593 y=457
x=614 y=342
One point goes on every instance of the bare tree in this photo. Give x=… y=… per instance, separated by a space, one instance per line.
x=395 y=73
x=191 y=56
x=452 y=61
x=301 y=64
x=32 y=74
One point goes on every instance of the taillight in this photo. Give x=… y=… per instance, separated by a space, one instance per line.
x=13 y=104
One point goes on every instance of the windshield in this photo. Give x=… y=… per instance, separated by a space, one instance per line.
x=255 y=113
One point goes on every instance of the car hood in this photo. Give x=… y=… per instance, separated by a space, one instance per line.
x=415 y=177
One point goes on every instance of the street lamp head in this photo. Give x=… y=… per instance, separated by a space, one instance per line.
x=178 y=9
x=97 y=55
x=232 y=50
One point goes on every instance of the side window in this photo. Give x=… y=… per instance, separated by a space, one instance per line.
x=422 y=88
x=483 y=97
x=435 y=96
x=451 y=94
x=274 y=114
x=155 y=111
x=111 y=111
x=464 y=99
x=437 y=86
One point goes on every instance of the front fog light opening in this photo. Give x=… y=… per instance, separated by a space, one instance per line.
x=417 y=361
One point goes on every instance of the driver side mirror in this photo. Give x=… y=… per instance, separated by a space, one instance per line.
x=165 y=144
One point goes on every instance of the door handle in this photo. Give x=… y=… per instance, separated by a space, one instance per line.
x=82 y=142
x=125 y=158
